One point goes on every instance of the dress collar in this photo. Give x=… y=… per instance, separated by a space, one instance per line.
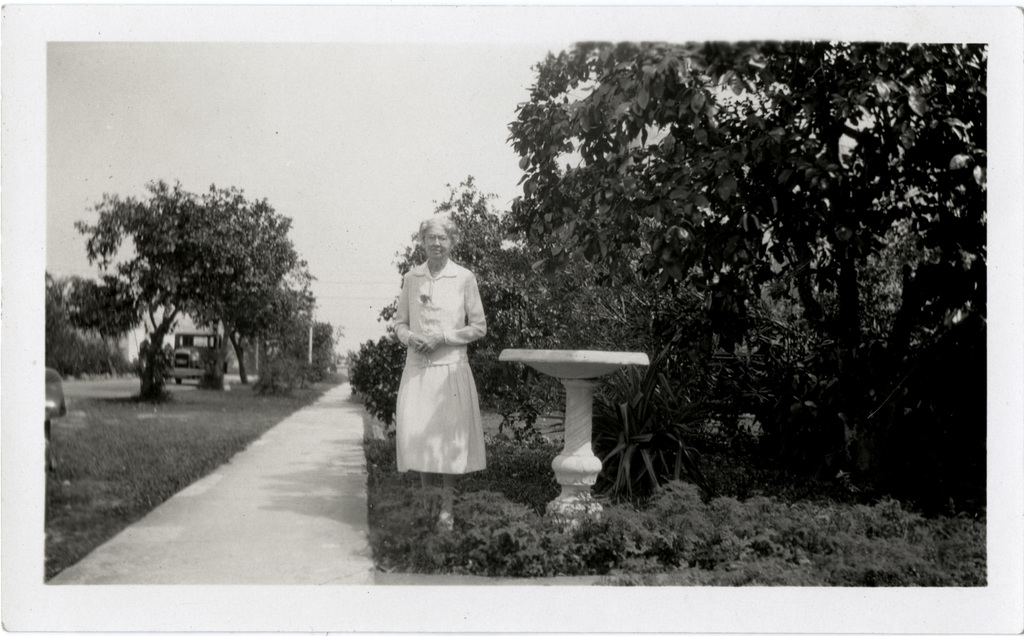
x=448 y=271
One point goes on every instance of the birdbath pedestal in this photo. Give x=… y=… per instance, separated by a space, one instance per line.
x=576 y=467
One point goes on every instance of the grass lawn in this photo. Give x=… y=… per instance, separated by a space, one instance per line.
x=117 y=459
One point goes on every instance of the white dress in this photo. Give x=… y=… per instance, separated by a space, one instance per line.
x=438 y=425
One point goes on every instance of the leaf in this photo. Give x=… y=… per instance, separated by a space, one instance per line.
x=979 y=175
x=727 y=187
x=642 y=98
x=668 y=144
x=959 y=161
x=651 y=473
x=736 y=84
x=697 y=103
x=917 y=100
x=678 y=193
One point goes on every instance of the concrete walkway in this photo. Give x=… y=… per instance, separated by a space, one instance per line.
x=290 y=509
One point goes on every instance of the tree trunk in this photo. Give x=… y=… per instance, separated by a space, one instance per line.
x=214 y=364
x=849 y=299
x=152 y=372
x=911 y=302
x=110 y=356
x=236 y=342
x=221 y=366
x=214 y=379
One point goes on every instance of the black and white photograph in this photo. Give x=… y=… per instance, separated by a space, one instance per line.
x=493 y=318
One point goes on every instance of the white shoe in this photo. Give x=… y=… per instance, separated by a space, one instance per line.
x=445 y=521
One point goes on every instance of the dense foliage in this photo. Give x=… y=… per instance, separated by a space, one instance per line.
x=677 y=534
x=584 y=308
x=296 y=354
x=824 y=205
x=254 y=263
x=375 y=372
x=643 y=431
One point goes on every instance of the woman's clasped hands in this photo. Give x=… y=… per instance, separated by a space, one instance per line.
x=425 y=343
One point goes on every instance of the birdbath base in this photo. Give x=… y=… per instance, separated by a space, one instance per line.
x=576 y=467
x=570 y=507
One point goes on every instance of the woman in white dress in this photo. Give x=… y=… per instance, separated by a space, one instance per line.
x=438 y=427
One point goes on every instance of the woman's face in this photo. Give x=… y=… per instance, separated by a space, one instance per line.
x=436 y=242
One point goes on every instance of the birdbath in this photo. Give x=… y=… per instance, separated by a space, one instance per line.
x=576 y=467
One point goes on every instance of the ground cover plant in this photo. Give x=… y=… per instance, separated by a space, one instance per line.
x=678 y=536
x=117 y=459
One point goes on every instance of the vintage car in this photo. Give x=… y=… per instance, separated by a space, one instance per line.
x=191 y=351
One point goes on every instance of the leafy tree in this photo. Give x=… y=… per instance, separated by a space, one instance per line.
x=62 y=343
x=286 y=341
x=71 y=349
x=250 y=255
x=732 y=165
x=105 y=308
x=760 y=173
x=57 y=325
x=324 y=357
x=218 y=258
x=162 y=269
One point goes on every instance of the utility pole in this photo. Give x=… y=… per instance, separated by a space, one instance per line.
x=310 y=360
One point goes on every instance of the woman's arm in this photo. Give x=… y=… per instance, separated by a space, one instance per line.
x=476 y=321
x=402 y=329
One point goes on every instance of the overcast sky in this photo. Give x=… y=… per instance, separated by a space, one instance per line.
x=354 y=142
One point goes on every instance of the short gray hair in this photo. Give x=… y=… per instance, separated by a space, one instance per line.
x=445 y=224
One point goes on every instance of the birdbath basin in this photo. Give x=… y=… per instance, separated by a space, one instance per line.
x=576 y=467
x=567 y=364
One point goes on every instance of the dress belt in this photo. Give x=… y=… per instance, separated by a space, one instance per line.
x=441 y=356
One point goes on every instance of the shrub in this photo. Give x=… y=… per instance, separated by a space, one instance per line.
x=519 y=472
x=641 y=430
x=375 y=372
x=675 y=537
x=279 y=376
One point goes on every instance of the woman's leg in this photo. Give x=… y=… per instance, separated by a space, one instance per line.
x=446 y=483
x=430 y=480
x=446 y=520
